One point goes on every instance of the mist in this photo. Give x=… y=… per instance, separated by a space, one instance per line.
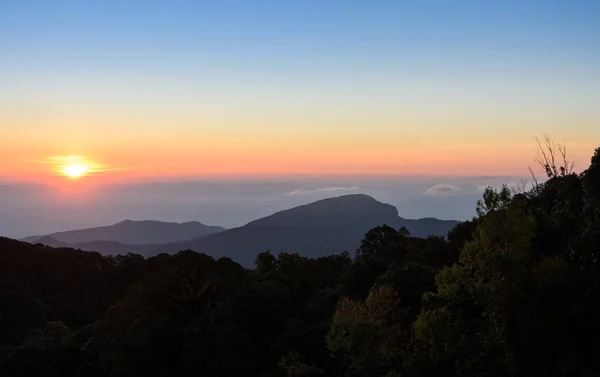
x=30 y=209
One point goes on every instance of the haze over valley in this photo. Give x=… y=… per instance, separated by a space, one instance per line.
x=31 y=208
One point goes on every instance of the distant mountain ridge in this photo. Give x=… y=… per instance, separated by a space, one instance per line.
x=320 y=228
x=325 y=227
x=102 y=247
x=145 y=232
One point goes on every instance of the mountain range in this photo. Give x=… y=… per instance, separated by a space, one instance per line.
x=102 y=247
x=320 y=228
x=135 y=232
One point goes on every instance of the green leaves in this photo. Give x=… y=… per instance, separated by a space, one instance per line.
x=367 y=334
x=493 y=200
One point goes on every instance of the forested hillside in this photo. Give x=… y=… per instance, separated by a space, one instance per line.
x=514 y=292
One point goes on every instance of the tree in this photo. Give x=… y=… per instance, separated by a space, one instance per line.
x=295 y=367
x=493 y=200
x=470 y=324
x=50 y=351
x=382 y=242
x=265 y=262
x=367 y=335
x=150 y=331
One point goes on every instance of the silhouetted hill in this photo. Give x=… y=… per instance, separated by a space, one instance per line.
x=321 y=228
x=47 y=241
x=102 y=247
x=426 y=226
x=344 y=210
x=134 y=233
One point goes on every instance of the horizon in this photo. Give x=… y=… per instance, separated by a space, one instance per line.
x=32 y=209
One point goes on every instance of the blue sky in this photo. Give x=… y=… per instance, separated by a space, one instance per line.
x=314 y=36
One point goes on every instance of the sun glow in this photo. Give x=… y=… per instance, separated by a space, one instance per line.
x=75 y=167
x=75 y=170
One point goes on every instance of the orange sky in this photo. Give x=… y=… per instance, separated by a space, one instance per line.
x=156 y=159
x=160 y=142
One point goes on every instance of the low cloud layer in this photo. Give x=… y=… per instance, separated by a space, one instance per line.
x=442 y=189
x=305 y=191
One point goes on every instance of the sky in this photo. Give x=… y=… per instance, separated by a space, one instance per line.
x=226 y=111
x=165 y=89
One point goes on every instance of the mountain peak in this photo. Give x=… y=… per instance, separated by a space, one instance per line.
x=341 y=210
x=316 y=229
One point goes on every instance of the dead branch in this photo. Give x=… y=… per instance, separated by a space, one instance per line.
x=547 y=158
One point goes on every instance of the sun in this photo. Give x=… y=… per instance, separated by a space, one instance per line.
x=75 y=167
x=75 y=170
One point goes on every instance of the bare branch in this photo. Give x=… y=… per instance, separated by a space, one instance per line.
x=552 y=153
x=523 y=186
x=547 y=158
x=535 y=181
x=568 y=165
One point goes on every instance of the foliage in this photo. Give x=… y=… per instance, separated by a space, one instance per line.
x=367 y=334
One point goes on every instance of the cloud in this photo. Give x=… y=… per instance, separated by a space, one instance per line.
x=442 y=189
x=299 y=192
x=305 y=191
x=328 y=189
